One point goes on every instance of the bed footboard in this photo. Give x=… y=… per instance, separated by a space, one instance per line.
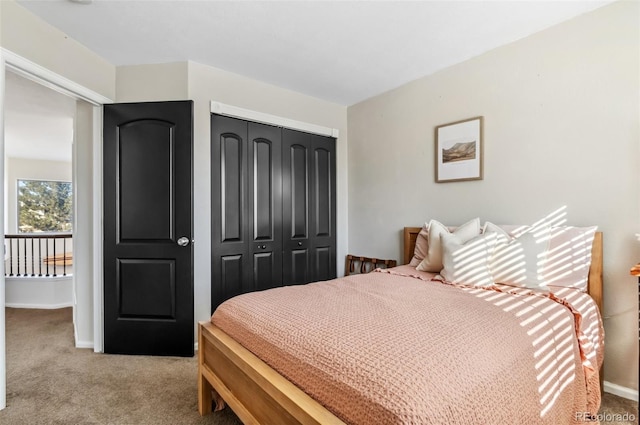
x=254 y=391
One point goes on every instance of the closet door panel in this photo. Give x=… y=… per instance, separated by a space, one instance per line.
x=265 y=204
x=230 y=257
x=296 y=177
x=264 y=268
x=323 y=203
x=323 y=263
x=263 y=193
x=299 y=205
x=232 y=170
x=299 y=270
x=231 y=274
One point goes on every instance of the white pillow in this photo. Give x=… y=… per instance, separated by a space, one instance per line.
x=432 y=262
x=519 y=261
x=422 y=244
x=569 y=257
x=467 y=262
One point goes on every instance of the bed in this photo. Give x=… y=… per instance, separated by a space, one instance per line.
x=259 y=394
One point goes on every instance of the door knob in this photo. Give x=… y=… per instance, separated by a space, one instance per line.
x=183 y=241
x=299 y=243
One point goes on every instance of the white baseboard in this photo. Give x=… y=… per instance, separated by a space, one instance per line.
x=84 y=344
x=89 y=344
x=620 y=391
x=38 y=306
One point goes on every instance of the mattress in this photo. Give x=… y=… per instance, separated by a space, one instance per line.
x=397 y=347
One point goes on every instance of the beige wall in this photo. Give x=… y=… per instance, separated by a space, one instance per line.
x=25 y=34
x=202 y=84
x=155 y=82
x=561 y=111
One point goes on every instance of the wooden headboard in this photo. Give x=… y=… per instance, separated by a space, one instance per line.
x=594 y=285
x=410 y=236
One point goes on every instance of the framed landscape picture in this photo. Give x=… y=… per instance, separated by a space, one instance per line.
x=459 y=151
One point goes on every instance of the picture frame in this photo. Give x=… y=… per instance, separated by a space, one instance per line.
x=459 y=152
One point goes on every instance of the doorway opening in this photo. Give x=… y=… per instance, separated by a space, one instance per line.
x=38 y=195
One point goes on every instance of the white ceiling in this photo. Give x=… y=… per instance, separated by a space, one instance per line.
x=340 y=51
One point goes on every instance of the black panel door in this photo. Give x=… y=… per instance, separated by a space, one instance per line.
x=246 y=237
x=148 y=209
x=308 y=199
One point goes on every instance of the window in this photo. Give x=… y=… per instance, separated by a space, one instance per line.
x=44 y=206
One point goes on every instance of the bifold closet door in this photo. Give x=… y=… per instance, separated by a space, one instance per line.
x=246 y=207
x=308 y=211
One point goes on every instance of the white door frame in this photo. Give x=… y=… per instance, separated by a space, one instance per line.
x=41 y=75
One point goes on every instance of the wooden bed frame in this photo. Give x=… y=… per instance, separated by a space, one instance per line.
x=260 y=395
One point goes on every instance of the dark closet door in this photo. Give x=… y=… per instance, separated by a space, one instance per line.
x=323 y=208
x=296 y=209
x=148 y=257
x=246 y=208
x=265 y=205
x=308 y=212
x=229 y=227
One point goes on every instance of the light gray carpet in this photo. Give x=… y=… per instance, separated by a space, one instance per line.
x=51 y=382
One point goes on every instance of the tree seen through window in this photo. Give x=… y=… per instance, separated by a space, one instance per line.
x=44 y=206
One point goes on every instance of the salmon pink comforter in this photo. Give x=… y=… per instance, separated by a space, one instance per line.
x=396 y=347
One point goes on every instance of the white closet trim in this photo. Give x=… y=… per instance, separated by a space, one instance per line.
x=34 y=72
x=249 y=115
